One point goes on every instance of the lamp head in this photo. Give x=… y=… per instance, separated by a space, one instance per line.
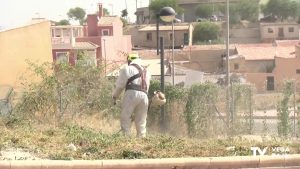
x=167 y=14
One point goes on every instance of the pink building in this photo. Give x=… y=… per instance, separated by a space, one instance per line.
x=101 y=34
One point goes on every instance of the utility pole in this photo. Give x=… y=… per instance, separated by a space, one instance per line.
x=229 y=115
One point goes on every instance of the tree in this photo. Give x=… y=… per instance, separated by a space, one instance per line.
x=281 y=8
x=204 y=10
x=242 y=10
x=156 y=5
x=234 y=16
x=125 y=22
x=106 y=12
x=63 y=22
x=248 y=10
x=206 y=31
x=77 y=14
x=124 y=13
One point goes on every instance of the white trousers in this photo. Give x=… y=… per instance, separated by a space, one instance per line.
x=135 y=104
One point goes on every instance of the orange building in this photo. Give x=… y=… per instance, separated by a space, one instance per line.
x=267 y=66
x=30 y=42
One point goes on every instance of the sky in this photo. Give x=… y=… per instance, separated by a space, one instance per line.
x=19 y=12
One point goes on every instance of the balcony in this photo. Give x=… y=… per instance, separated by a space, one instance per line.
x=60 y=40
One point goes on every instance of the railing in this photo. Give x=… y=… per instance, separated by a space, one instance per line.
x=60 y=40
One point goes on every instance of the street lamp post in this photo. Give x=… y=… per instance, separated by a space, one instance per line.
x=173 y=43
x=104 y=56
x=166 y=14
x=228 y=103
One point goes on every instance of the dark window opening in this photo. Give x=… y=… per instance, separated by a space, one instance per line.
x=236 y=66
x=186 y=38
x=105 y=32
x=171 y=36
x=291 y=29
x=270 y=30
x=270 y=83
x=149 y=36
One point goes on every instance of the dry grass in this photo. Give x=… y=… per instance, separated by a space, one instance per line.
x=96 y=138
x=270 y=100
x=266 y=101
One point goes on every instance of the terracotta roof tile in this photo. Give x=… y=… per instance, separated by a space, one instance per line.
x=77 y=45
x=165 y=28
x=208 y=47
x=107 y=20
x=85 y=45
x=266 y=51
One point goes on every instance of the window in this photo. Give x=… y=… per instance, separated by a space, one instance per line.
x=236 y=66
x=52 y=32
x=66 y=32
x=270 y=83
x=149 y=36
x=62 y=57
x=297 y=71
x=75 y=32
x=270 y=30
x=57 y=32
x=186 y=38
x=171 y=36
x=105 y=32
x=291 y=29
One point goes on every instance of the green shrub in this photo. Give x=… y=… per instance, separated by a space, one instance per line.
x=200 y=110
x=65 y=89
x=206 y=31
x=284 y=126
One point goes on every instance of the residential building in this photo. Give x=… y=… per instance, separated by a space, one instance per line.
x=267 y=66
x=143 y=15
x=279 y=31
x=203 y=58
x=102 y=35
x=84 y=53
x=18 y=45
x=183 y=35
x=65 y=32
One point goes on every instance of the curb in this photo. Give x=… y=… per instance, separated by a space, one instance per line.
x=284 y=161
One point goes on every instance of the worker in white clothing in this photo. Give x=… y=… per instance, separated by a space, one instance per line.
x=135 y=79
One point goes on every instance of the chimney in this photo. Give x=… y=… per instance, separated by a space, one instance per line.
x=100 y=12
x=92 y=25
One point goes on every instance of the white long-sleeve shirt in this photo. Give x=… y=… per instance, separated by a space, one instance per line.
x=127 y=72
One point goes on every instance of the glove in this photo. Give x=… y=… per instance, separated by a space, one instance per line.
x=114 y=100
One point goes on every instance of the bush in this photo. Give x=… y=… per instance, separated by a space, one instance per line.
x=284 y=124
x=200 y=110
x=205 y=31
x=65 y=90
x=176 y=99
